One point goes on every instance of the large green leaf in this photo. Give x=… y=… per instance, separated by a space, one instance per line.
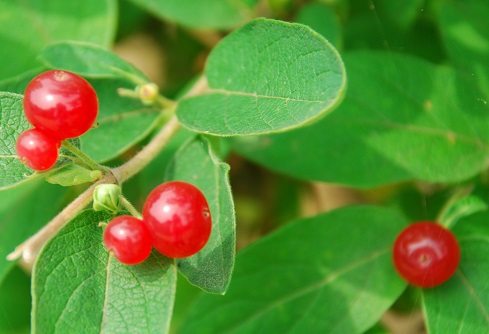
x=402 y=119
x=121 y=121
x=78 y=287
x=265 y=77
x=24 y=210
x=219 y=14
x=466 y=35
x=15 y=303
x=89 y=60
x=29 y=25
x=461 y=305
x=322 y=19
x=12 y=124
x=331 y=273
x=211 y=268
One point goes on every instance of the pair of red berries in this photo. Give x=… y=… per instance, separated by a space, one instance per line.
x=176 y=221
x=60 y=105
x=426 y=254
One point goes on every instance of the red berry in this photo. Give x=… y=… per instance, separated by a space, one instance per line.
x=426 y=254
x=128 y=239
x=178 y=217
x=60 y=103
x=37 y=150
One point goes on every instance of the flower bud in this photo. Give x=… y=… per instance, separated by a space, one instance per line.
x=147 y=93
x=107 y=197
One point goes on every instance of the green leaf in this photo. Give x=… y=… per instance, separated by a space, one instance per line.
x=12 y=124
x=15 y=303
x=211 y=268
x=70 y=175
x=401 y=13
x=464 y=30
x=122 y=122
x=89 y=60
x=300 y=279
x=322 y=19
x=78 y=287
x=265 y=77
x=19 y=83
x=461 y=305
x=216 y=14
x=461 y=208
x=29 y=25
x=402 y=119
x=23 y=212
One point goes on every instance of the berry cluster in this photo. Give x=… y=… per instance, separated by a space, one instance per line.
x=60 y=105
x=426 y=254
x=176 y=221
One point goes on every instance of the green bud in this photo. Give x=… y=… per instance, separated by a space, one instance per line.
x=148 y=93
x=107 y=197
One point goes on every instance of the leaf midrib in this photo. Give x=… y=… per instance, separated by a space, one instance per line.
x=311 y=287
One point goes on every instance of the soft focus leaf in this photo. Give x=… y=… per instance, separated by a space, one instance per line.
x=466 y=36
x=219 y=14
x=27 y=209
x=402 y=119
x=27 y=26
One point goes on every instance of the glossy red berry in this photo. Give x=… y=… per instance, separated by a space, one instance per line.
x=426 y=254
x=60 y=103
x=178 y=217
x=37 y=150
x=128 y=239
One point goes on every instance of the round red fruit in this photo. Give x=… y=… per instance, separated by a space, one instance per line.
x=179 y=219
x=37 y=150
x=128 y=239
x=426 y=254
x=60 y=103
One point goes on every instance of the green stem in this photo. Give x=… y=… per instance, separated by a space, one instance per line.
x=82 y=156
x=129 y=207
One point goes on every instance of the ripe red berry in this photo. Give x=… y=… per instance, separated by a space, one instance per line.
x=178 y=217
x=37 y=150
x=426 y=254
x=128 y=239
x=60 y=103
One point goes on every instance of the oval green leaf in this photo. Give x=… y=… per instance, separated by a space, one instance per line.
x=462 y=302
x=265 y=77
x=211 y=268
x=220 y=14
x=78 y=287
x=402 y=118
x=300 y=279
x=89 y=60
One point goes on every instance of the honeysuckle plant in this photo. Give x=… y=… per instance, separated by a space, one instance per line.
x=261 y=101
